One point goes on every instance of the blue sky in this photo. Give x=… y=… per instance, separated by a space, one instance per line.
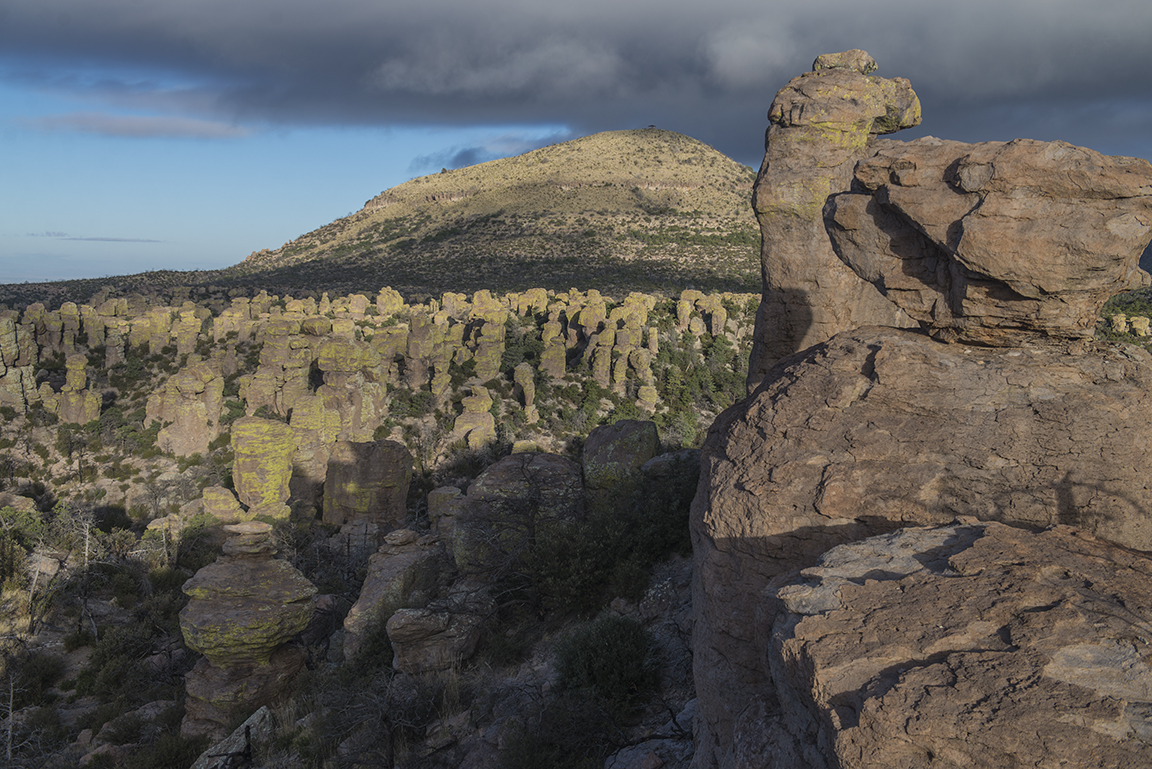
x=177 y=135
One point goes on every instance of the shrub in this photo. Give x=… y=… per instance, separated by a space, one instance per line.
x=610 y=656
x=35 y=673
x=568 y=731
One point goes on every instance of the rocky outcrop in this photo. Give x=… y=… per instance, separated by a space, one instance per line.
x=189 y=408
x=989 y=243
x=262 y=466
x=442 y=634
x=506 y=502
x=475 y=424
x=407 y=571
x=367 y=482
x=881 y=428
x=878 y=428
x=973 y=644
x=820 y=125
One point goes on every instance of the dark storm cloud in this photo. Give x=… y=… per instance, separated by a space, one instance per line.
x=983 y=69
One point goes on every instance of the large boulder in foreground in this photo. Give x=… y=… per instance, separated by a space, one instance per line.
x=970 y=645
x=883 y=428
x=991 y=243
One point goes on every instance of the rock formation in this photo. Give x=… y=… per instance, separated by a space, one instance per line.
x=507 y=500
x=263 y=464
x=974 y=644
x=406 y=572
x=878 y=428
x=367 y=482
x=442 y=634
x=242 y=610
x=820 y=125
x=613 y=456
x=476 y=425
x=951 y=232
x=189 y=407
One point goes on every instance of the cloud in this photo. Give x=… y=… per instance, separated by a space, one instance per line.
x=66 y=236
x=501 y=146
x=118 y=240
x=136 y=126
x=706 y=69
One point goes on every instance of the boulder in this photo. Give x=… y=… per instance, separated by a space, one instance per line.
x=246 y=604
x=222 y=504
x=972 y=644
x=882 y=428
x=612 y=458
x=987 y=243
x=367 y=482
x=408 y=574
x=442 y=635
x=506 y=502
x=820 y=125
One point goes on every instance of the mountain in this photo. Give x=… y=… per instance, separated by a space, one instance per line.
x=645 y=210
x=622 y=210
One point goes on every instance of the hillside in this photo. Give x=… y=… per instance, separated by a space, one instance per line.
x=621 y=210
x=639 y=210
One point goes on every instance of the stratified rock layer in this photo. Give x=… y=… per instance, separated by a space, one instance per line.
x=971 y=645
x=882 y=428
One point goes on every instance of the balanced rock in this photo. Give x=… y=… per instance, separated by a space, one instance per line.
x=985 y=243
x=973 y=644
x=820 y=126
x=246 y=604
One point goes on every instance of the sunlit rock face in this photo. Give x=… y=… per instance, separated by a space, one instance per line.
x=996 y=405
x=973 y=644
x=819 y=126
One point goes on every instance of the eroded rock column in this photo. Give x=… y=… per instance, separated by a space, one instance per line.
x=820 y=125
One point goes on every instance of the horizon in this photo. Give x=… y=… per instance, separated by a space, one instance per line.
x=187 y=138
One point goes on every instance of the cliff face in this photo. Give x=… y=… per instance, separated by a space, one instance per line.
x=1008 y=251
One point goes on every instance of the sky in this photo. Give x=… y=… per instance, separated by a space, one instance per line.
x=161 y=134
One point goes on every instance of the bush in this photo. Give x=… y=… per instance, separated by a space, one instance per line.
x=35 y=673
x=569 y=731
x=610 y=656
